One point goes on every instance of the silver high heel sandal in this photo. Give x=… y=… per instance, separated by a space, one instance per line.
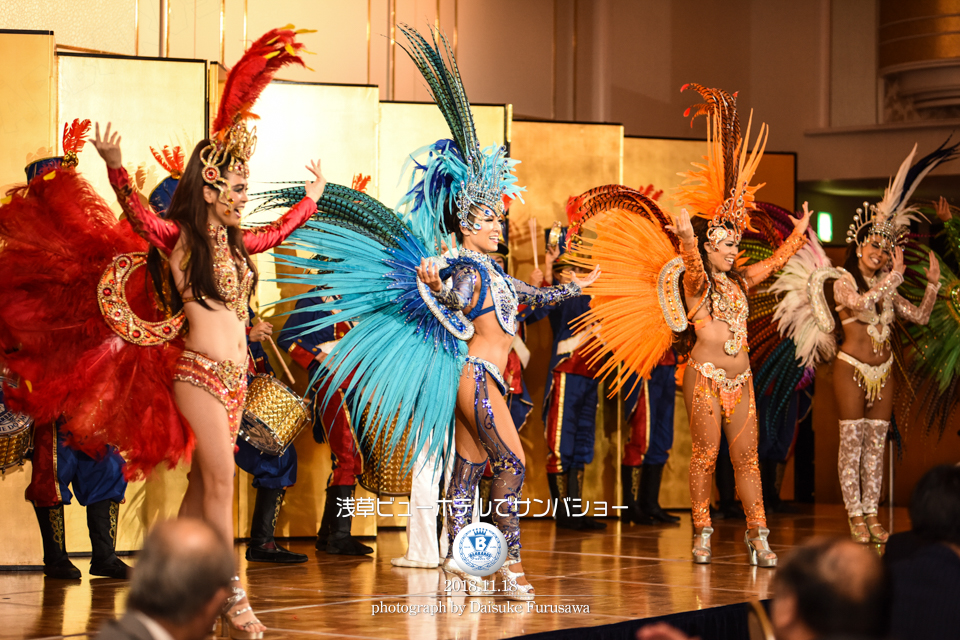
x=762 y=557
x=702 y=544
x=474 y=584
x=512 y=590
x=237 y=632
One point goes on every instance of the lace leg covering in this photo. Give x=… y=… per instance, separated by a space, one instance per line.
x=508 y=470
x=705 y=440
x=848 y=464
x=460 y=494
x=871 y=462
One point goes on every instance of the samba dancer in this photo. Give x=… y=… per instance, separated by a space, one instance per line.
x=867 y=301
x=708 y=309
x=390 y=276
x=212 y=274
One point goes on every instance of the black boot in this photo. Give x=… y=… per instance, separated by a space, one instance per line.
x=630 y=479
x=56 y=564
x=262 y=546
x=560 y=496
x=102 y=518
x=486 y=504
x=323 y=534
x=649 y=498
x=575 y=487
x=340 y=541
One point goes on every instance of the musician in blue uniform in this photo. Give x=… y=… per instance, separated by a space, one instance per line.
x=272 y=475
x=649 y=410
x=570 y=399
x=331 y=424
x=98 y=484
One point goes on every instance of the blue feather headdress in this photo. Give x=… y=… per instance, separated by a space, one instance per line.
x=451 y=174
x=888 y=221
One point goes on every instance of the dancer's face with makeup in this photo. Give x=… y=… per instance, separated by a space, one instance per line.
x=235 y=196
x=487 y=237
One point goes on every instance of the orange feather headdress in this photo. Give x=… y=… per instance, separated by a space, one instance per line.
x=720 y=189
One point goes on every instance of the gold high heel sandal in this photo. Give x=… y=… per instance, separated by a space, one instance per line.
x=512 y=590
x=877 y=532
x=474 y=584
x=238 y=632
x=764 y=556
x=859 y=532
x=702 y=544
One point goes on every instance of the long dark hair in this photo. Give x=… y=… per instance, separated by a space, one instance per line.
x=685 y=340
x=188 y=210
x=852 y=264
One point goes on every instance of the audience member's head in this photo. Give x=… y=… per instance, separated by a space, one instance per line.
x=182 y=576
x=935 y=505
x=829 y=588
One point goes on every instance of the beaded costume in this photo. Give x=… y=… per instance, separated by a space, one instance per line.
x=720 y=191
x=368 y=255
x=806 y=317
x=72 y=277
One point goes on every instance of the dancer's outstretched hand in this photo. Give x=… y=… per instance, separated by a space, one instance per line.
x=108 y=146
x=933 y=271
x=942 y=207
x=429 y=274
x=898 y=265
x=588 y=279
x=315 y=188
x=682 y=228
x=800 y=224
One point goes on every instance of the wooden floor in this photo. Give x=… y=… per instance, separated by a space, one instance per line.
x=622 y=573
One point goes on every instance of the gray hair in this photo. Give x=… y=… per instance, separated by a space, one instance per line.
x=182 y=566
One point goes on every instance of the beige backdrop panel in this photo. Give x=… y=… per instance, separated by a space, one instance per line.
x=299 y=122
x=28 y=131
x=150 y=102
x=559 y=160
x=103 y=25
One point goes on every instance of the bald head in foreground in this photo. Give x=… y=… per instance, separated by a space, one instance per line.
x=830 y=588
x=180 y=581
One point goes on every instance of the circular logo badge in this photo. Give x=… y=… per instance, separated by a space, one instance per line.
x=479 y=549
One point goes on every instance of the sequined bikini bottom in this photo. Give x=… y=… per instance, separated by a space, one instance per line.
x=870 y=378
x=225 y=380
x=490 y=368
x=728 y=390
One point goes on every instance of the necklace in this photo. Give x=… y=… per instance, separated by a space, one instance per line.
x=234 y=290
x=729 y=304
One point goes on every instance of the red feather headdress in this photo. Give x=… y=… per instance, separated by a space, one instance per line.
x=230 y=139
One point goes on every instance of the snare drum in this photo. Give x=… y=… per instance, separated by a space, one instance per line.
x=273 y=415
x=16 y=437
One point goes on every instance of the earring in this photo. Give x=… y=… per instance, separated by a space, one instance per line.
x=859 y=254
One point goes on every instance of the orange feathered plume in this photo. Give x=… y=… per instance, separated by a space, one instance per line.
x=170 y=159
x=630 y=247
x=250 y=76
x=360 y=183
x=75 y=135
x=730 y=165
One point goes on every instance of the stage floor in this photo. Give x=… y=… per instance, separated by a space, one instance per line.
x=622 y=573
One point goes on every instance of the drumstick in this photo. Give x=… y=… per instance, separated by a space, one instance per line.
x=273 y=344
x=533 y=240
